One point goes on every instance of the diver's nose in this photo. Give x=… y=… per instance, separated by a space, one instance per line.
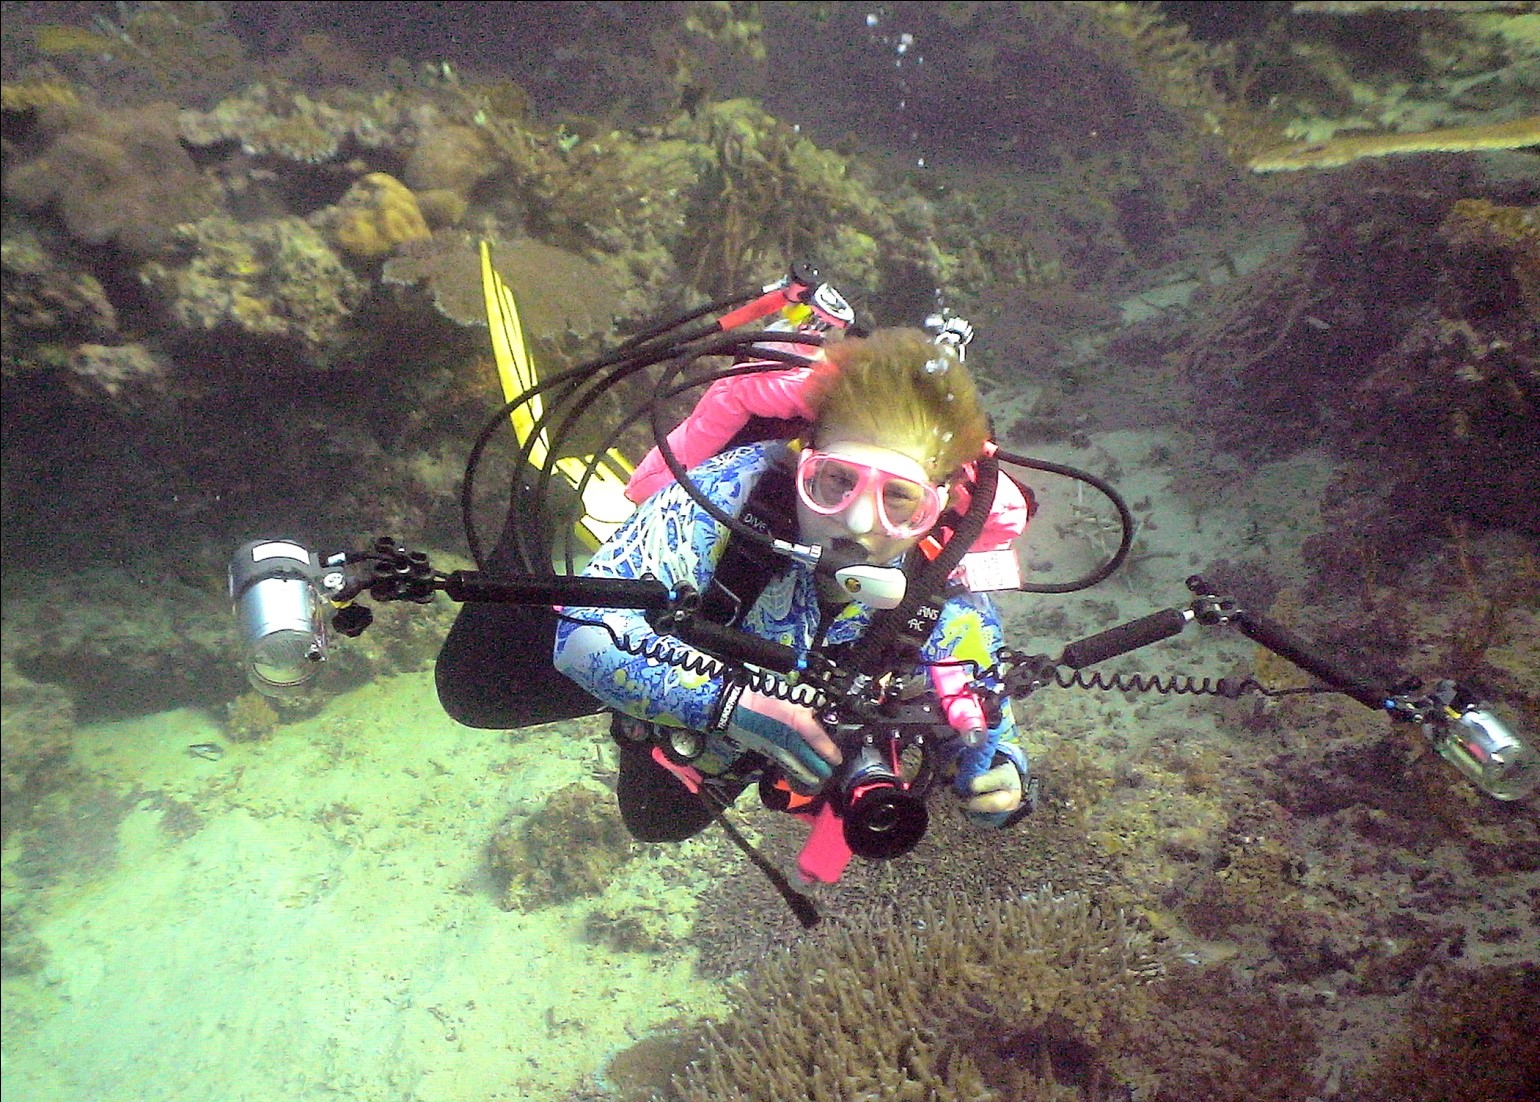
x=861 y=517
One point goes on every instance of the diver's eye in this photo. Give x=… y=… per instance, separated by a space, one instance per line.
x=902 y=499
x=834 y=483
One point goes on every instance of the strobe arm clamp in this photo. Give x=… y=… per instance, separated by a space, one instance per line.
x=800 y=286
x=1461 y=727
x=281 y=591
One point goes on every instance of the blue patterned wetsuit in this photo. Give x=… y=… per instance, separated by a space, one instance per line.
x=672 y=538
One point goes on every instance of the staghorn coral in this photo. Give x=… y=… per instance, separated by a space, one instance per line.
x=1020 y=999
x=274 y=278
x=113 y=176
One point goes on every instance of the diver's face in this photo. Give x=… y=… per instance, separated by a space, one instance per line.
x=865 y=501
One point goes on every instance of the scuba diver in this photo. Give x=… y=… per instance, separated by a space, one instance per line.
x=890 y=424
x=791 y=588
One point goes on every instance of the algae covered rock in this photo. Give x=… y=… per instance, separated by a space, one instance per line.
x=571 y=847
x=272 y=278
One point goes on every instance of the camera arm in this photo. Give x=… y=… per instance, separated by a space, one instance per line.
x=390 y=572
x=1462 y=728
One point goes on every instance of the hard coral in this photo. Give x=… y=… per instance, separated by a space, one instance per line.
x=378 y=213
x=283 y=122
x=450 y=157
x=559 y=292
x=113 y=176
x=274 y=278
x=46 y=294
x=1019 y=999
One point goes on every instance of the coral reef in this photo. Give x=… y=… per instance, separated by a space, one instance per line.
x=1399 y=319
x=34 y=755
x=1314 y=869
x=276 y=278
x=448 y=157
x=1510 y=232
x=45 y=295
x=117 y=176
x=1469 y=1037
x=186 y=51
x=563 y=297
x=287 y=123
x=571 y=847
x=1015 y=999
x=251 y=717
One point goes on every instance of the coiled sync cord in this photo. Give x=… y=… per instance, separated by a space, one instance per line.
x=671 y=652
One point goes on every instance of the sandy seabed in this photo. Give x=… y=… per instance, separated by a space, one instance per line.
x=311 y=917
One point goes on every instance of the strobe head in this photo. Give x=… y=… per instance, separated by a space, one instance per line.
x=279 y=613
x=1476 y=741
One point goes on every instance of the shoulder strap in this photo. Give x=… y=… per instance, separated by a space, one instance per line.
x=745 y=568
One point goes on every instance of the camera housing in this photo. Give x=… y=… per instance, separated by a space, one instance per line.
x=884 y=814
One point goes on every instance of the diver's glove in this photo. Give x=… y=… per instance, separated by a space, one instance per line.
x=956 y=332
x=786 y=733
x=995 y=781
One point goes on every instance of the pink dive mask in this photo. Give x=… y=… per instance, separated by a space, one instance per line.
x=830 y=484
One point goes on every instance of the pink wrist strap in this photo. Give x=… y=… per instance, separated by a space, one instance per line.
x=825 y=853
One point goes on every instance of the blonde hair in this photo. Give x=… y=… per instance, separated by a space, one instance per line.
x=898 y=387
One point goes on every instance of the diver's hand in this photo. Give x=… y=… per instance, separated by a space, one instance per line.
x=998 y=790
x=786 y=733
x=1000 y=794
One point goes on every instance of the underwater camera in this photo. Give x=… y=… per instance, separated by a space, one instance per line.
x=1470 y=736
x=884 y=816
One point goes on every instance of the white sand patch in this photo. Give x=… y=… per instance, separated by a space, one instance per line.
x=330 y=930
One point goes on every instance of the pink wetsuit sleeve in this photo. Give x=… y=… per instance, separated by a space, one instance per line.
x=725 y=408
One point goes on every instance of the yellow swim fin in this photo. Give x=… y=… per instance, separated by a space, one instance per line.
x=605 y=505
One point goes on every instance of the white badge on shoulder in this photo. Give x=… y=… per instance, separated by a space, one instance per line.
x=989 y=571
